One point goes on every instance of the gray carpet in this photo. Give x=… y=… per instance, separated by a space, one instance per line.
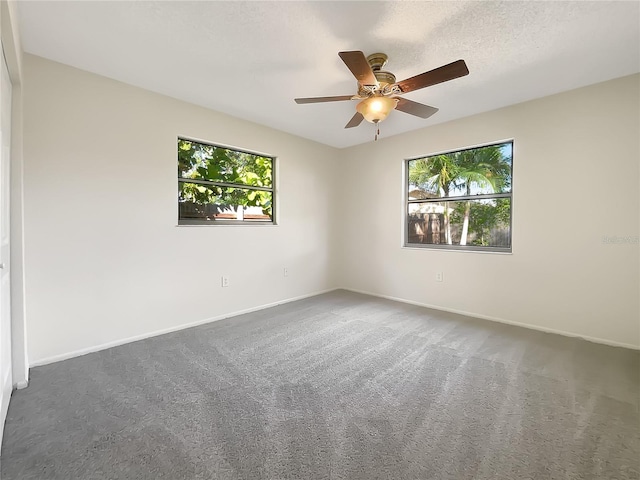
x=339 y=386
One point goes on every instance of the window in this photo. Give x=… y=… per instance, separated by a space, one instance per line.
x=461 y=200
x=219 y=185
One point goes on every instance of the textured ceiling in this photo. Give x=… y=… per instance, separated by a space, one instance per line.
x=251 y=59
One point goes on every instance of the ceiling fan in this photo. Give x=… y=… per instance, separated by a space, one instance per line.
x=378 y=90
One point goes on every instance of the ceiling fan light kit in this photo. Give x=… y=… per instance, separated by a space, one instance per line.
x=378 y=90
x=376 y=109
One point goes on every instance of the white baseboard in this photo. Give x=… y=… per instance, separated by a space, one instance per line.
x=603 y=341
x=135 y=338
x=22 y=384
x=97 y=348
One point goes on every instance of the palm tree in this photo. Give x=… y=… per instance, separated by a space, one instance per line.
x=438 y=174
x=485 y=168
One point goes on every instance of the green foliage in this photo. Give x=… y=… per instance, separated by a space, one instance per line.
x=220 y=165
x=436 y=175
x=484 y=170
x=485 y=216
x=487 y=169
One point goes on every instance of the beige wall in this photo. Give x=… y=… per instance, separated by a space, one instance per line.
x=576 y=172
x=105 y=259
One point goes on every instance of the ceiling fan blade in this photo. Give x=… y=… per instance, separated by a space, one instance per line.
x=357 y=63
x=432 y=77
x=414 y=108
x=355 y=120
x=338 y=98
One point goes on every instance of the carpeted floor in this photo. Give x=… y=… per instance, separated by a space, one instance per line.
x=338 y=386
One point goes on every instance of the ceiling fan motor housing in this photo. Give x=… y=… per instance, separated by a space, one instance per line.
x=384 y=79
x=377 y=61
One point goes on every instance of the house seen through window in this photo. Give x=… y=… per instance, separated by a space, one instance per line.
x=461 y=200
x=218 y=185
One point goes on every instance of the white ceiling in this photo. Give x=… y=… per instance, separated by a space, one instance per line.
x=251 y=59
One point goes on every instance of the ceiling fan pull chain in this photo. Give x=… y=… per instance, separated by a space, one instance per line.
x=377 y=127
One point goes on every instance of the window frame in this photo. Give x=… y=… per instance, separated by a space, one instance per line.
x=454 y=247
x=240 y=186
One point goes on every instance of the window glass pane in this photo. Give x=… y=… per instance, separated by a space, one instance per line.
x=477 y=171
x=485 y=223
x=205 y=202
x=218 y=164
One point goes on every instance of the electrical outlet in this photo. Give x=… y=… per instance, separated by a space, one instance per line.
x=225 y=281
x=285 y=271
x=439 y=277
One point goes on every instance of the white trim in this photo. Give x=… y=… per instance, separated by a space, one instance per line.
x=414 y=246
x=459 y=149
x=12 y=49
x=22 y=384
x=4 y=407
x=135 y=338
x=500 y=320
x=211 y=143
